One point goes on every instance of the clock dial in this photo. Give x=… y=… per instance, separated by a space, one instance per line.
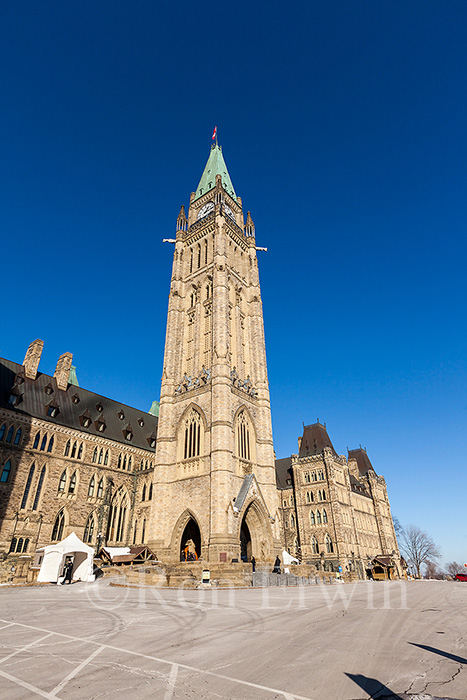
x=205 y=210
x=229 y=212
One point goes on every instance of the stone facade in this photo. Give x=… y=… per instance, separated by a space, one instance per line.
x=200 y=477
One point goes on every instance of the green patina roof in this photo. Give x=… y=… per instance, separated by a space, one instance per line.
x=154 y=410
x=72 y=378
x=215 y=166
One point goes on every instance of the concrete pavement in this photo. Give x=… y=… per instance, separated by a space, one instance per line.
x=341 y=642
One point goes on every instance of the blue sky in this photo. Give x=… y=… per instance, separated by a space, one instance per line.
x=343 y=128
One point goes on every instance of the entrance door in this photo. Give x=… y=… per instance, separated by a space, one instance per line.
x=245 y=542
x=190 y=544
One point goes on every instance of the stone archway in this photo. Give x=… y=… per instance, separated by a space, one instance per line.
x=255 y=533
x=190 y=542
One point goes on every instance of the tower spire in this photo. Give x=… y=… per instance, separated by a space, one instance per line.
x=215 y=166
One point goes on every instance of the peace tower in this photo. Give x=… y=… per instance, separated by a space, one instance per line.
x=214 y=477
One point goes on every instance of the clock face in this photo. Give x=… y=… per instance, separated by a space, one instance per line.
x=205 y=210
x=229 y=212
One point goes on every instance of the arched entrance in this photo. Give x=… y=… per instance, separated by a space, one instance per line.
x=190 y=543
x=245 y=542
x=255 y=533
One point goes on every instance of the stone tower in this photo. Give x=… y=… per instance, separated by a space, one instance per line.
x=214 y=481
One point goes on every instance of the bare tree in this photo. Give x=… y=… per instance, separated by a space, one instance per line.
x=453 y=568
x=418 y=547
x=433 y=571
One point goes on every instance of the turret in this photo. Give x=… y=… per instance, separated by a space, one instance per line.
x=182 y=221
x=249 y=226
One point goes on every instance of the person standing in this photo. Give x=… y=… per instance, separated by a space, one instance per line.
x=68 y=570
x=277 y=566
x=253 y=564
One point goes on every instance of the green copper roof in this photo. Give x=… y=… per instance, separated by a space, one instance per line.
x=215 y=166
x=154 y=410
x=72 y=378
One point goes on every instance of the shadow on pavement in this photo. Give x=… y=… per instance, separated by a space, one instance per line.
x=373 y=687
x=458 y=659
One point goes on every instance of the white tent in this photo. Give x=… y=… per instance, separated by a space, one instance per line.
x=54 y=557
x=288 y=559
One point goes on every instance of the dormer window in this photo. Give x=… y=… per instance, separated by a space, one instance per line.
x=52 y=410
x=141 y=422
x=99 y=407
x=152 y=440
x=85 y=419
x=100 y=425
x=48 y=390
x=128 y=432
x=75 y=398
x=120 y=415
x=14 y=397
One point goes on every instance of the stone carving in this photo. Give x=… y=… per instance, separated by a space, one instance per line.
x=246 y=384
x=188 y=383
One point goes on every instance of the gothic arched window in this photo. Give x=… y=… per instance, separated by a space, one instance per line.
x=51 y=444
x=192 y=435
x=62 y=482
x=2 y=431
x=312 y=518
x=73 y=451
x=329 y=547
x=72 y=484
x=325 y=516
x=150 y=492
x=67 y=448
x=80 y=451
x=44 y=442
x=314 y=545
x=106 y=458
x=39 y=488
x=9 y=435
x=318 y=517
x=17 y=436
x=59 y=524
x=36 y=441
x=100 y=488
x=28 y=486
x=143 y=494
x=92 y=484
x=243 y=436
x=89 y=529
x=117 y=519
x=94 y=455
x=5 y=472
x=101 y=456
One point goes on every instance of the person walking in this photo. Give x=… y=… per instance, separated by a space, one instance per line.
x=253 y=564
x=277 y=566
x=67 y=571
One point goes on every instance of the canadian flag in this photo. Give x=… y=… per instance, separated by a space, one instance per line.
x=214 y=133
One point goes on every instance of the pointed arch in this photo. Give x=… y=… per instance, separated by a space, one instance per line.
x=2 y=431
x=51 y=444
x=9 y=435
x=117 y=522
x=73 y=483
x=89 y=528
x=100 y=488
x=59 y=525
x=27 y=488
x=39 y=486
x=314 y=545
x=62 y=481
x=18 y=436
x=92 y=485
x=44 y=442
x=256 y=518
x=177 y=543
x=329 y=545
x=5 y=475
x=191 y=431
x=67 y=448
x=244 y=434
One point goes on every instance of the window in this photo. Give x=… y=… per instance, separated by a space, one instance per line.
x=143 y=493
x=89 y=529
x=314 y=545
x=36 y=441
x=312 y=518
x=44 y=442
x=192 y=434
x=292 y=520
x=119 y=460
x=124 y=462
x=62 y=482
x=28 y=486
x=92 y=484
x=292 y=500
x=308 y=500
x=100 y=489
x=80 y=451
x=9 y=435
x=129 y=462
x=325 y=516
x=19 y=546
x=321 y=475
x=135 y=531
x=307 y=477
x=52 y=410
x=318 y=517
x=284 y=503
x=2 y=431
x=101 y=456
x=150 y=492
x=51 y=444
x=313 y=476
x=243 y=437
x=18 y=436
x=72 y=484
x=143 y=530
x=117 y=518
x=73 y=449
x=106 y=458
x=39 y=488
x=59 y=524
x=67 y=448
x=94 y=455
x=329 y=547
x=5 y=472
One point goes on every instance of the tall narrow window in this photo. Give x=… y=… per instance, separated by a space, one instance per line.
x=150 y=492
x=100 y=489
x=129 y=463
x=9 y=435
x=199 y=256
x=92 y=484
x=329 y=547
x=44 y=442
x=312 y=518
x=57 y=531
x=89 y=529
x=62 y=482
x=18 y=436
x=124 y=462
x=314 y=545
x=5 y=472
x=67 y=448
x=192 y=434
x=80 y=451
x=28 y=486
x=135 y=531
x=106 y=458
x=143 y=531
x=94 y=456
x=39 y=488
x=36 y=441
x=143 y=493
x=243 y=437
x=72 y=484
x=318 y=517
x=73 y=451
x=325 y=516
x=2 y=431
x=119 y=460
x=51 y=444
x=205 y=252
x=101 y=456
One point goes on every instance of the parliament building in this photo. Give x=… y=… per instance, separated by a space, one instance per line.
x=199 y=466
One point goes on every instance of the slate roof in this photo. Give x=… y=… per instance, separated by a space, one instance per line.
x=34 y=402
x=362 y=459
x=282 y=473
x=315 y=439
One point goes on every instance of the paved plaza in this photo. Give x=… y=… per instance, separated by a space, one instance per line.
x=340 y=642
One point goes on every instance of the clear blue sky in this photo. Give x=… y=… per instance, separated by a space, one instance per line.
x=343 y=126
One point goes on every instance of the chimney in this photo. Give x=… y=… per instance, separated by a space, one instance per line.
x=32 y=359
x=62 y=370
